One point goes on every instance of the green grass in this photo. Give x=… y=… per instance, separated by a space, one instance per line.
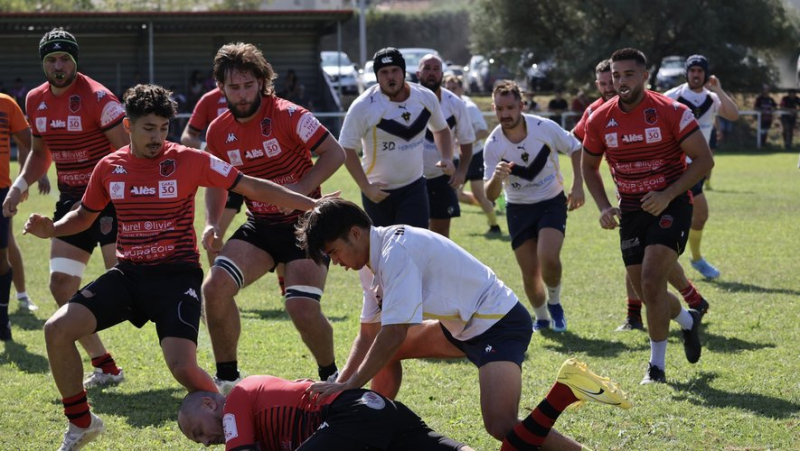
x=743 y=394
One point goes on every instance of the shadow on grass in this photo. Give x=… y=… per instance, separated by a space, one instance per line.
x=750 y=288
x=700 y=392
x=25 y=320
x=17 y=353
x=280 y=314
x=721 y=343
x=142 y=409
x=570 y=343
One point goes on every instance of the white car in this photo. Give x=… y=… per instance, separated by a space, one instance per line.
x=412 y=57
x=672 y=72
x=367 y=78
x=341 y=71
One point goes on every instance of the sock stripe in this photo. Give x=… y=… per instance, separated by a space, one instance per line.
x=76 y=415
x=74 y=403
x=547 y=409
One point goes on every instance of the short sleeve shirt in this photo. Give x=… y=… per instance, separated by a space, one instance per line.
x=392 y=134
x=478 y=122
x=580 y=128
x=12 y=121
x=154 y=200
x=642 y=146
x=73 y=127
x=275 y=145
x=704 y=106
x=211 y=105
x=536 y=173
x=455 y=113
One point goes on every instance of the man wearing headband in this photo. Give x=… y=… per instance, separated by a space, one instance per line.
x=389 y=121
x=76 y=122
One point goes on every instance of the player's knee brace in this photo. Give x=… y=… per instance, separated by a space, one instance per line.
x=230 y=267
x=303 y=291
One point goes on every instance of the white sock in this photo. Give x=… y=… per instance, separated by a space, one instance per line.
x=541 y=312
x=22 y=295
x=658 y=354
x=554 y=294
x=685 y=319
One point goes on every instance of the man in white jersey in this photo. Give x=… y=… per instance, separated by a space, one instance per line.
x=703 y=94
x=475 y=170
x=442 y=198
x=521 y=157
x=389 y=121
x=410 y=274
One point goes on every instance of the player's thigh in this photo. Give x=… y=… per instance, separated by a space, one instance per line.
x=252 y=261
x=63 y=249
x=549 y=244
x=427 y=340
x=306 y=273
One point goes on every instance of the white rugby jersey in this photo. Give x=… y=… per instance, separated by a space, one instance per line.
x=417 y=274
x=478 y=123
x=391 y=133
x=455 y=113
x=704 y=105
x=536 y=175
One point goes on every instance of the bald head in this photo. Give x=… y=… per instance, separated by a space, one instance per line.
x=200 y=417
x=430 y=72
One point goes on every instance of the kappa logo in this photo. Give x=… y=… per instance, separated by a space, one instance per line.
x=119 y=170
x=612 y=123
x=291 y=110
x=253 y=154
x=42 y=106
x=386 y=60
x=192 y=293
x=231 y=138
x=632 y=138
x=143 y=191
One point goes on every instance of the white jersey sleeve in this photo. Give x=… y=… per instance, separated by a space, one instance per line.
x=564 y=141
x=371 y=309
x=402 y=287
x=492 y=151
x=355 y=126
x=437 y=121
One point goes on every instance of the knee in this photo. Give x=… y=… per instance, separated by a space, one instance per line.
x=218 y=288
x=551 y=263
x=499 y=427
x=55 y=330
x=302 y=310
x=61 y=286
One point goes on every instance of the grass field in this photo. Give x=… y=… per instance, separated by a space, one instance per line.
x=743 y=394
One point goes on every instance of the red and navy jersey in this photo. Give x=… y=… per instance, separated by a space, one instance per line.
x=211 y=105
x=580 y=128
x=154 y=199
x=642 y=146
x=275 y=145
x=73 y=127
x=275 y=413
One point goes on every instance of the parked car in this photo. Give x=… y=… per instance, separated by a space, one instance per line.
x=341 y=70
x=473 y=78
x=672 y=72
x=367 y=76
x=509 y=64
x=412 y=57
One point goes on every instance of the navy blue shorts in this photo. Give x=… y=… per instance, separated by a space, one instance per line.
x=526 y=220
x=405 y=205
x=442 y=199
x=475 y=170
x=639 y=229
x=697 y=189
x=234 y=202
x=4 y=222
x=103 y=231
x=506 y=341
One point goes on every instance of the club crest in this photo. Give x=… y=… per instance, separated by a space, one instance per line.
x=74 y=103
x=650 y=116
x=666 y=221
x=266 y=126
x=166 y=167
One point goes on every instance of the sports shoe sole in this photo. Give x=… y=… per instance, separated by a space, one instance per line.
x=588 y=386
x=692 y=346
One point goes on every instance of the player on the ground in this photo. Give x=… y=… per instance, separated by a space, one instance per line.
x=409 y=274
x=646 y=137
x=153 y=184
x=475 y=171
x=442 y=196
x=703 y=95
x=389 y=121
x=266 y=137
x=76 y=122
x=677 y=278
x=521 y=158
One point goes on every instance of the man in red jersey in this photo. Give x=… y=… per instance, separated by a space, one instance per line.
x=76 y=122
x=269 y=413
x=646 y=137
x=270 y=138
x=677 y=277
x=153 y=184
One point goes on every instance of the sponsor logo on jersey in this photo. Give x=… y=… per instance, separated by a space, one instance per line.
x=266 y=126
x=57 y=123
x=74 y=103
x=650 y=116
x=307 y=126
x=272 y=148
x=252 y=154
x=231 y=138
x=666 y=221
x=652 y=135
x=631 y=138
x=291 y=110
x=119 y=170
x=373 y=400
x=168 y=189
x=74 y=124
x=146 y=226
x=116 y=190
x=137 y=191
x=41 y=124
x=220 y=166
x=166 y=167
x=235 y=157
x=686 y=119
x=229 y=426
x=611 y=140
x=612 y=123
x=111 y=112
x=42 y=106
x=100 y=95
x=106 y=224
x=221 y=110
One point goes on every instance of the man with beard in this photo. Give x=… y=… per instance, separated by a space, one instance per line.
x=677 y=277
x=76 y=122
x=266 y=137
x=389 y=121
x=153 y=183
x=703 y=95
x=646 y=137
x=520 y=157
x=442 y=197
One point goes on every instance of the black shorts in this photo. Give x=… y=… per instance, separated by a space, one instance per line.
x=639 y=229
x=4 y=222
x=442 y=199
x=234 y=202
x=697 y=189
x=168 y=295
x=506 y=341
x=364 y=420
x=475 y=170
x=277 y=240
x=406 y=205
x=103 y=231
x=526 y=220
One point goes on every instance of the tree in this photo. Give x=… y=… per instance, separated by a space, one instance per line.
x=737 y=36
